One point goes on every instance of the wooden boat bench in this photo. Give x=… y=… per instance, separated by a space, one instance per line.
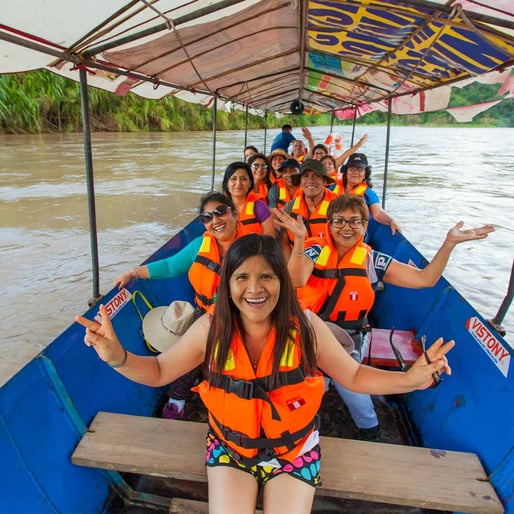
x=394 y=474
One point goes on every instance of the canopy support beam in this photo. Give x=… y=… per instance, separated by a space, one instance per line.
x=386 y=157
x=214 y=134
x=86 y=129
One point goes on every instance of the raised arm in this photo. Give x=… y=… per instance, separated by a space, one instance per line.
x=403 y=275
x=340 y=159
x=384 y=218
x=186 y=354
x=308 y=135
x=300 y=267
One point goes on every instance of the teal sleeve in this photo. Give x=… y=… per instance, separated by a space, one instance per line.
x=177 y=264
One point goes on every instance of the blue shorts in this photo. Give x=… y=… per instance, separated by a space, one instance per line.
x=305 y=467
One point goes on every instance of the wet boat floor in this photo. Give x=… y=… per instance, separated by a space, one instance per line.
x=335 y=422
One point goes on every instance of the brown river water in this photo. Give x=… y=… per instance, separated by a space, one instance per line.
x=148 y=186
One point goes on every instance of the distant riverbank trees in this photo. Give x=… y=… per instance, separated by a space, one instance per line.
x=41 y=101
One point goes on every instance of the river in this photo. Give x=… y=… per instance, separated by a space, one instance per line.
x=148 y=186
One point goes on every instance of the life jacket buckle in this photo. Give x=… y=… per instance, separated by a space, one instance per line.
x=241 y=388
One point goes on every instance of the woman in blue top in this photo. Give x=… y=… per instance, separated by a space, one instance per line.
x=201 y=259
x=357 y=181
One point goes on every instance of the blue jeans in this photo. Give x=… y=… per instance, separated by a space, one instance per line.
x=360 y=405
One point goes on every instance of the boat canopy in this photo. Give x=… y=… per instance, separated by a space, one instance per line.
x=277 y=56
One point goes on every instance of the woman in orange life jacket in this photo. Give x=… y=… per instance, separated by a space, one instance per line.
x=201 y=260
x=357 y=180
x=284 y=189
x=264 y=434
x=345 y=299
x=261 y=175
x=275 y=159
x=330 y=165
x=254 y=214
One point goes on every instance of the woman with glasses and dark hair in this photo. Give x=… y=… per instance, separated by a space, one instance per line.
x=254 y=214
x=263 y=438
x=337 y=276
x=201 y=259
x=357 y=181
x=261 y=171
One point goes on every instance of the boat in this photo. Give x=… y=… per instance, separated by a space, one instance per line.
x=346 y=57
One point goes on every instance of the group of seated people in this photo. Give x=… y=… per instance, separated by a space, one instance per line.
x=321 y=224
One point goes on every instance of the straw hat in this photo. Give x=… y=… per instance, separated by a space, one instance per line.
x=163 y=326
x=343 y=337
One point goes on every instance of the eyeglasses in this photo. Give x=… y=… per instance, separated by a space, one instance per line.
x=356 y=169
x=256 y=166
x=207 y=217
x=353 y=223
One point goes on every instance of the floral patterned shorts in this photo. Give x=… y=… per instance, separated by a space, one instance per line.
x=305 y=467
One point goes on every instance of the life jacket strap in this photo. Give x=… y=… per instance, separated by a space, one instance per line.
x=258 y=387
x=208 y=263
x=263 y=444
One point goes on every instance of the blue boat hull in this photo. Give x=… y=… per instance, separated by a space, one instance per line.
x=46 y=407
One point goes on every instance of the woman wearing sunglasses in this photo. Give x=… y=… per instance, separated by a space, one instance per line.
x=201 y=260
x=337 y=275
x=261 y=171
x=254 y=215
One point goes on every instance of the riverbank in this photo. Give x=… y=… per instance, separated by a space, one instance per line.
x=42 y=102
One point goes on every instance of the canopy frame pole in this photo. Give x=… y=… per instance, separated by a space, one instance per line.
x=88 y=155
x=386 y=157
x=332 y=116
x=353 y=125
x=246 y=129
x=214 y=134
x=265 y=131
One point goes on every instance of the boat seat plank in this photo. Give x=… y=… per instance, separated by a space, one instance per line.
x=387 y=473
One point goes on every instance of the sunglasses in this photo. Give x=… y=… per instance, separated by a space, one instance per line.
x=256 y=166
x=207 y=217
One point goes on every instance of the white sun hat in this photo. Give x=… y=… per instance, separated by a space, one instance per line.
x=343 y=337
x=163 y=326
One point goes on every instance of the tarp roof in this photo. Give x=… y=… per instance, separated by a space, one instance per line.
x=265 y=54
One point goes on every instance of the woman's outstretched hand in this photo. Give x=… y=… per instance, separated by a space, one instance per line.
x=421 y=372
x=102 y=337
x=456 y=235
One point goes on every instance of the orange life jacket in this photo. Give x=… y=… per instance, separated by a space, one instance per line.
x=316 y=223
x=204 y=273
x=283 y=195
x=263 y=192
x=253 y=419
x=248 y=223
x=359 y=189
x=339 y=291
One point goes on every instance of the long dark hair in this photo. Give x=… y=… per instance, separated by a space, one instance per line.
x=231 y=169
x=287 y=315
x=215 y=196
x=267 y=179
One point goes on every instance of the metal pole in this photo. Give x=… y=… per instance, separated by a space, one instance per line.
x=332 y=115
x=86 y=129
x=504 y=307
x=386 y=159
x=265 y=131
x=246 y=129
x=214 y=131
x=353 y=126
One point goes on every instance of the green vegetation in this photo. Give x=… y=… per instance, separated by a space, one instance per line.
x=40 y=101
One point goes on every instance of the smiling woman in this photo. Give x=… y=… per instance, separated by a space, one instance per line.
x=257 y=317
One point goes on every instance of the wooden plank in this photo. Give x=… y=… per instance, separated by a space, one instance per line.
x=400 y=475
x=406 y=475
